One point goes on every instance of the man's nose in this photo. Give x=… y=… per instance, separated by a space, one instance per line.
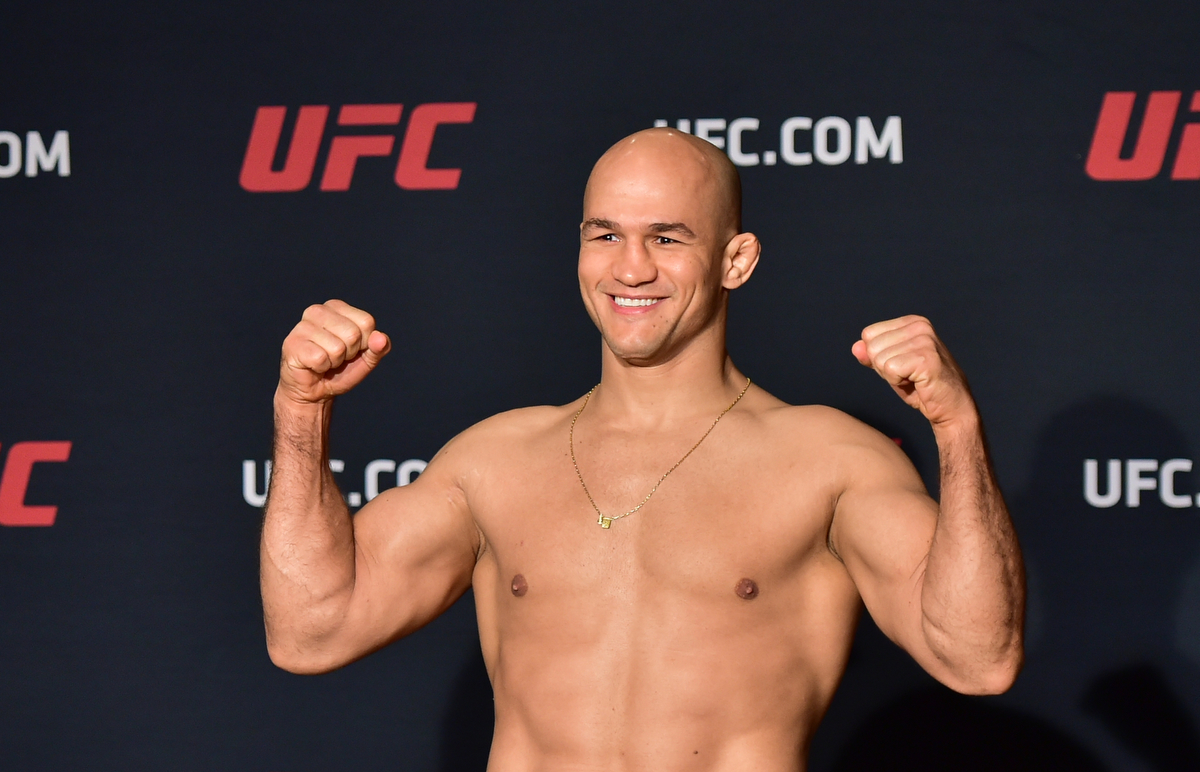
x=635 y=265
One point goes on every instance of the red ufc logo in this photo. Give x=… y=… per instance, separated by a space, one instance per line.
x=15 y=481
x=1150 y=149
x=412 y=173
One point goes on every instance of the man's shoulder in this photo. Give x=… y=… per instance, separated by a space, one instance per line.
x=850 y=452
x=503 y=437
x=820 y=427
x=518 y=426
x=819 y=420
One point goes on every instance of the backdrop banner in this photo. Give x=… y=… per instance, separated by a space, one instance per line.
x=179 y=181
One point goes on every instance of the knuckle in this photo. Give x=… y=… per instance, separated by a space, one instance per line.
x=296 y=338
x=347 y=332
x=314 y=358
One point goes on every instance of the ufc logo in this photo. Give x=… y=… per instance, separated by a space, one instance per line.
x=14 y=482
x=1104 y=160
x=412 y=172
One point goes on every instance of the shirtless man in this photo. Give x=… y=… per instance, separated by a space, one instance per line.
x=707 y=630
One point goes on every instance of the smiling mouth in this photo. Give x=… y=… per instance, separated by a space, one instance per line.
x=634 y=302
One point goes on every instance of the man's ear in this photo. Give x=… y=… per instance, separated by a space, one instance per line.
x=741 y=256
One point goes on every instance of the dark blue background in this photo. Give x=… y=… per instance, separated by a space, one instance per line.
x=144 y=297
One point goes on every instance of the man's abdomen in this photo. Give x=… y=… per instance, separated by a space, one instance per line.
x=661 y=683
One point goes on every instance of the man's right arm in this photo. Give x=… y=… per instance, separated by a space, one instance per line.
x=336 y=587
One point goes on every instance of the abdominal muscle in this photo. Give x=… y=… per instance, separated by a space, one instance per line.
x=659 y=679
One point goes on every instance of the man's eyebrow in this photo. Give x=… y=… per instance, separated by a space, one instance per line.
x=672 y=227
x=599 y=222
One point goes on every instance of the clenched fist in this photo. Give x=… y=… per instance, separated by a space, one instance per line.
x=907 y=353
x=329 y=352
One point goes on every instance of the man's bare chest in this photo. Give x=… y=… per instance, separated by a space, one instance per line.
x=718 y=519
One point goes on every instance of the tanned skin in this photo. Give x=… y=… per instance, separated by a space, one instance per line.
x=709 y=630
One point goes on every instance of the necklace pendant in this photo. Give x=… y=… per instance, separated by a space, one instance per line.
x=604 y=522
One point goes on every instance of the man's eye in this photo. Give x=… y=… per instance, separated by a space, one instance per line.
x=609 y=237
x=666 y=240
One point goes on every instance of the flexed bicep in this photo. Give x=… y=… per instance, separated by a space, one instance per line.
x=882 y=529
x=417 y=547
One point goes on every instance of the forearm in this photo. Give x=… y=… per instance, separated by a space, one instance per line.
x=307 y=557
x=973 y=588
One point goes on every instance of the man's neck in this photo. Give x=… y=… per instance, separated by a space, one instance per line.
x=700 y=379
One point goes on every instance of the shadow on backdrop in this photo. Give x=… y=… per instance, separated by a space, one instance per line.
x=1138 y=707
x=1101 y=581
x=937 y=730
x=1109 y=579
x=470 y=720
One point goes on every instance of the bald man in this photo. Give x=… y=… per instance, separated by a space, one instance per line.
x=668 y=570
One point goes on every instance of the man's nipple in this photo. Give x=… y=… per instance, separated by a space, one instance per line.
x=746 y=589
x=519 y=587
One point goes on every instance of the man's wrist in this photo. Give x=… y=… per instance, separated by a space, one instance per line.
x=290 y=405
x=301 y=423
x=964 y=425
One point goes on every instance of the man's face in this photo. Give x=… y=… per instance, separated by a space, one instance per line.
x=651 y=247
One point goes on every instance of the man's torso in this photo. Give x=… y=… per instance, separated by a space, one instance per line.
x=643 y=646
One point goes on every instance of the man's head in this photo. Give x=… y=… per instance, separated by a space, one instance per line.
x=660 y=243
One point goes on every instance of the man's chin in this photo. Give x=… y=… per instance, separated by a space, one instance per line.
x=638 y=353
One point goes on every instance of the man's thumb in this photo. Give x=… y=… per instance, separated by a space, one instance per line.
x=859 y=350
x=378 y=345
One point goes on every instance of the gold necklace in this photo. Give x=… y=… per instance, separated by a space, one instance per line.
x=606 y=522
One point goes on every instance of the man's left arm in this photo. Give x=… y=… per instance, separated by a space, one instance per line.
x=945 y=582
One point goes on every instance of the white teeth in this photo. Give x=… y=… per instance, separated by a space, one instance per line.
x=631 y=302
